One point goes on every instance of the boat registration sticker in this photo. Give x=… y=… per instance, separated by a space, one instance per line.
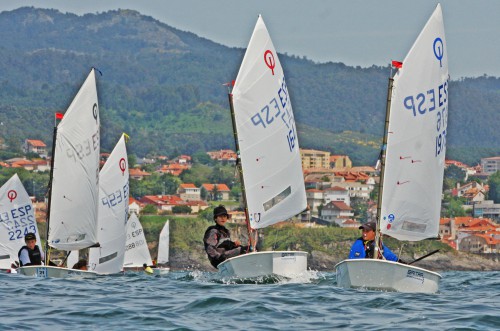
x=288 y=257
x=41 y=272
x=415 y=275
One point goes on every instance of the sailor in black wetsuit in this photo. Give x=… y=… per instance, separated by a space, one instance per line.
x=217 y=239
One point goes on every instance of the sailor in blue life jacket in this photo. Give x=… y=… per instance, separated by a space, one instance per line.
x=217 y=239
x=364 y=247
x=30 y=254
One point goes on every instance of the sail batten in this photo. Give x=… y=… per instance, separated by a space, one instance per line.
x=416 y=140
x=74 y=195
x=269 y=150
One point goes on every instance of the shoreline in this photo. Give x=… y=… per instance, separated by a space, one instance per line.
x=320 y=261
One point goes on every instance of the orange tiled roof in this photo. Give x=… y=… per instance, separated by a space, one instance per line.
x=138 y=172
x=162 y=200
x=341 y=205
x=187 y=185
x=220 y=187
x=196 y=203
x=336 y=188
x=36 y=143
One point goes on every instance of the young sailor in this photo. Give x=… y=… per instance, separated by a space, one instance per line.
x=217 y=239
x=364 y=247
x=30 y=254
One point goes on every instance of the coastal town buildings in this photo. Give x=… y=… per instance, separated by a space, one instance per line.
x=471 y=234
x=490 y=165
x=312 y=158
x=35 y=146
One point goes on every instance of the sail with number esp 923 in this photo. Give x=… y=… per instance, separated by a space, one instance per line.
x=267 y=135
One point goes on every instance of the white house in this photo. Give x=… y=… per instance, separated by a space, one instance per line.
x=336 y=210
x=336 y=193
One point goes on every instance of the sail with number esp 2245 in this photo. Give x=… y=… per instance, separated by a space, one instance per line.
x=17 y=218
x=113 y=213
x=416 y=145
x=75 y=184
x=269 y=149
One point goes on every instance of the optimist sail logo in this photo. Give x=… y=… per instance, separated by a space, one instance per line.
x=269 y=60
x=438 y=50
x=123 y=165
x=12 y=195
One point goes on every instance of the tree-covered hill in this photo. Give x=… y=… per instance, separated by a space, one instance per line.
x=164 y=88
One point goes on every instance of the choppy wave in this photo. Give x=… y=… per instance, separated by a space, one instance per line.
x=195 y=300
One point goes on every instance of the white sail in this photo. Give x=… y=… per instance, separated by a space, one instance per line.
x=113 y=213
x=75 y=190
x=163 y=244
x=17 y=218
x=269 y=149
x=416 y=146
x=136 y=247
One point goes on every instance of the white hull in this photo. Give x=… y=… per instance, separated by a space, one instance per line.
x=386 y=276
x=53 y=272
x=261 y=264
x=156 y=271
x=160 y=271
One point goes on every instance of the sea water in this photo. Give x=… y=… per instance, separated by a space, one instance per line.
x=194 y=300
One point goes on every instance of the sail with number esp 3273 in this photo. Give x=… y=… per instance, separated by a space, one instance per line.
x=17 y=219
x=267 y=135
x=75 y=182
x=113 y=213
x=416 y=143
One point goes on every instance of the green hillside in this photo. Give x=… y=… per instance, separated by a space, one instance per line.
x=164 y=88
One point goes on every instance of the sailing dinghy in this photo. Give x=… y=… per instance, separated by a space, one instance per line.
x=74 y=182
x=268 y=157
x=413 y=159
x=136 y=247
x=163 y=250
x=113 y=213
x=17 y=219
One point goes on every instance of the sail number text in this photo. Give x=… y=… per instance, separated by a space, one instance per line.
x=425 y=102
x=19 y=222
x=84 y=148
x=116 y=197
x=134 y=244
x=278 y=108
x=435 y=101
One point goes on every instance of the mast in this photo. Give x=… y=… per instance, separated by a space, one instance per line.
x=47 y=219
x=382 y=165
x=240 y=170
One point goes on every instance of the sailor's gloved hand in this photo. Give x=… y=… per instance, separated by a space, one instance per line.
x=246 y=249
x=401 y=261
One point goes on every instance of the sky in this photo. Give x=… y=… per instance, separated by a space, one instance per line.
x=355 y=32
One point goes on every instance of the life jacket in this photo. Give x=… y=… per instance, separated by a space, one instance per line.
x=223 y=237
x=34 y=255
x=224 y=243
x=370 y=248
